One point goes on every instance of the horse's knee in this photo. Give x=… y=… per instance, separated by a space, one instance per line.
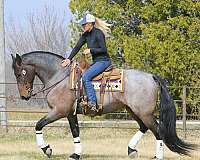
x=40 y=124
x=73 y=122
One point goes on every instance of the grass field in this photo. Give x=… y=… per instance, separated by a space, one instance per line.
x=98 y=144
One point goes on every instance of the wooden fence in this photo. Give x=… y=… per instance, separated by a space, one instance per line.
x=183 y=117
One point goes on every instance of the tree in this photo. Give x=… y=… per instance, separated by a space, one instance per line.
x=45 y=31
x=156 y=36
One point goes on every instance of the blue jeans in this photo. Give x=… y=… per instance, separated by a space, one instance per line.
x=94 y=69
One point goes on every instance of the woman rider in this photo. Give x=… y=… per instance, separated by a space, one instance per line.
x=95 y=39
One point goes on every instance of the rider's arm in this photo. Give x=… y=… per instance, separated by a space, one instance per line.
x=78 y=46
x=102 y=44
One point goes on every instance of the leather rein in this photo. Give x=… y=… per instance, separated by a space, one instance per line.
x=50 y=87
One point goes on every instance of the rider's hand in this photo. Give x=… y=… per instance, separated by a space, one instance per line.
x=65 y=62
x=86 y=51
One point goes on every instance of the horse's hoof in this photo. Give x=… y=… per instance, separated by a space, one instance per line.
x=47 y=150
x=132 y=153
x=74 y=156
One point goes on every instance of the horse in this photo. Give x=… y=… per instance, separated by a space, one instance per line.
x=139 y=97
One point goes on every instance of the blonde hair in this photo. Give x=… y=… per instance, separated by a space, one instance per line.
x=103 y=26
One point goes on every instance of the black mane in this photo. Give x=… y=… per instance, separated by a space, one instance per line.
x=43 y=52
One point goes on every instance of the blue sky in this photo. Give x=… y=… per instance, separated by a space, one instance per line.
x=20 y=9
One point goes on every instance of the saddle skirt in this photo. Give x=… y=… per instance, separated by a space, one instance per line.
x=114 y=76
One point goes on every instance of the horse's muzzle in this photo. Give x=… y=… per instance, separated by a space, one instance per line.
x=25 y=98
x=28 y=96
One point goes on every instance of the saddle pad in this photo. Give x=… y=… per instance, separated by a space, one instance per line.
x=116 y=85
x=111 y=85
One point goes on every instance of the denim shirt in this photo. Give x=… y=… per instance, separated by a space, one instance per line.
x=95 y=40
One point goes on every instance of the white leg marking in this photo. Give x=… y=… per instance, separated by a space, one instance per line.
x=135 y=139
x=77 y=146
x=40 y=140
x=159 y=150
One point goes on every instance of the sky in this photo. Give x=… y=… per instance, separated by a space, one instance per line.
x=18 y=10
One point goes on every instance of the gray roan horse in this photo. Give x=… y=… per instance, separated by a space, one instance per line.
x=139 y=97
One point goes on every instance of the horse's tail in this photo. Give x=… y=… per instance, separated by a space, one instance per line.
x=167 y=121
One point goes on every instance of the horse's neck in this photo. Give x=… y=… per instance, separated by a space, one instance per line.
x=45 y=73
x=45 y=67
x=59 y=76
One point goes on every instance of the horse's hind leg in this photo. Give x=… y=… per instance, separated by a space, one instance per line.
x=132 y=152
x=73 y=122
x=152 y=124
x=51 y=117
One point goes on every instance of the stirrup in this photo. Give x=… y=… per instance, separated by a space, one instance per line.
x=93 y=107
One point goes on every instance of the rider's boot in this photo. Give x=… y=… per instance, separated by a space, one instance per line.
x=93 y=106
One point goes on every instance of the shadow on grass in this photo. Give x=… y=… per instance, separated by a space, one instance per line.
x=36 y=156
x=90 y=157
x=101 y=156
x=31 y=156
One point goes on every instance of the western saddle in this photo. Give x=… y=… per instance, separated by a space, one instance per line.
x=110 y=74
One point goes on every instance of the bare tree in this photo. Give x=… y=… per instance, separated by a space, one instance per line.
x=46 y=31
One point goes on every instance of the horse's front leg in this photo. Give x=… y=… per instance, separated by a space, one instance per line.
x=51 y=117
x=73 y=122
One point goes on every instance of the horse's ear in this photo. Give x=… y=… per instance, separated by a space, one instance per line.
x=13 y=57
x=18 y=60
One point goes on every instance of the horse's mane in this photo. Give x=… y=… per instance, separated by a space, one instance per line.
x=43 y=52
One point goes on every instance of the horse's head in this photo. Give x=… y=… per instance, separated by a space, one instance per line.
x=24 y=74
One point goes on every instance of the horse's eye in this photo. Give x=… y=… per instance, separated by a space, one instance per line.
x=23 y=72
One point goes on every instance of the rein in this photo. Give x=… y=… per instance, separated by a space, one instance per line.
x=44 y=89
x=50 y=87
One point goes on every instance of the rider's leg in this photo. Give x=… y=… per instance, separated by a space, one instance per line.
x=95 y=69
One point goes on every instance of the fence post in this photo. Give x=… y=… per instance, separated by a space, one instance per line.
x=184 y=110
x=3 y=117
